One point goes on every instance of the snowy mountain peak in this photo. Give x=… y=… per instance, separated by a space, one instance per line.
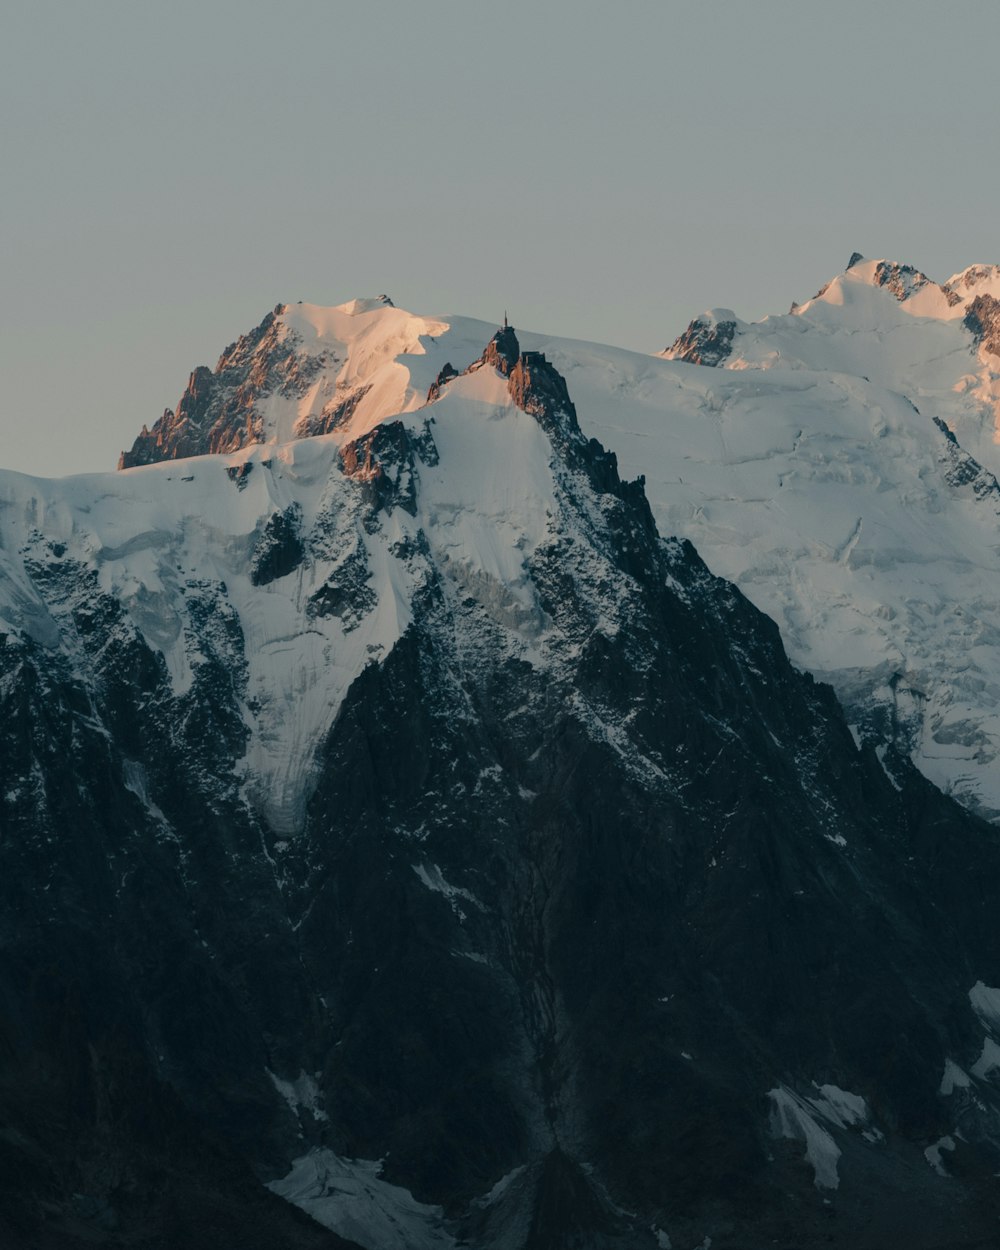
x=355 y=306
x=840 y=464
x=977 y=279
x=322 y=543
x=916 y=293
x=304 y=370
x=902 y=280
x=844 y=327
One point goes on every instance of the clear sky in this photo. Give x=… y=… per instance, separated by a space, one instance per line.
x=169 y=172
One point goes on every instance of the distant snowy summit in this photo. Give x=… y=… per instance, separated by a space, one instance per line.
x=971 y=297
x=846 y=479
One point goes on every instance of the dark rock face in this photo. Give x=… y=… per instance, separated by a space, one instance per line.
x=106 y=974
x=218 y=411
x=704 y=342
x=982 y=320
x=856 y=259
x=578 y=924
x=904 y=281
x=965 y=470
x=536 y=387
x=346 y=595
x=382 y=461
x=279 y=549
x=239 y=474
x=445 y=375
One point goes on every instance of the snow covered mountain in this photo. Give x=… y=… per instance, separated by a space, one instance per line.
x=838 y=464
x=399 y=827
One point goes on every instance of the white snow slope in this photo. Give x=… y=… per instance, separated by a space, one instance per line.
x=808 y=468
x=161 y=536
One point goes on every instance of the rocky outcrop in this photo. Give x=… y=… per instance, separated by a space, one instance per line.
x=444 y=376
x=982 y=320
x=965 y=470
x=903 y=281
x=384 y=463
x=974 y=276
x=536 y=387
x=503 y=350
x=708 y=340
x=279 y=550
x=218 y=411
x=239 y=474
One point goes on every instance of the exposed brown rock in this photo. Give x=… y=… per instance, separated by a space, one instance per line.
x=218 y=411
x=502 y=350
x=705 y=342
x=982 y=318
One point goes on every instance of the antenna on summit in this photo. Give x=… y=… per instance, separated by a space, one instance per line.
x=505 y=319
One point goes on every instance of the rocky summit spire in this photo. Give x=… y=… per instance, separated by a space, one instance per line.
x=503 y=349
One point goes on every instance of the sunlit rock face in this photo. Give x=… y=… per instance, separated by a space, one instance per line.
x=708 y=340
x=405 y=841
x=982 y=319
x=219 y=410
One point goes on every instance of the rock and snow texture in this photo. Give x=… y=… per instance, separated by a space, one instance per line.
x=986 y=1004
x=399 y=793
x=811 y=1118
x=971 y=1090
x=276 y=542
x=838 y=463
x=348 y=1196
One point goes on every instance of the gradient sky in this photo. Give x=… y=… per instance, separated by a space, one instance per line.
x=172 y=171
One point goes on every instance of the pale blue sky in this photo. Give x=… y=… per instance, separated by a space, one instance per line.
x=172 y=171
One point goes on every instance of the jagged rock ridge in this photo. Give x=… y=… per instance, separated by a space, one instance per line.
x=218 y=411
